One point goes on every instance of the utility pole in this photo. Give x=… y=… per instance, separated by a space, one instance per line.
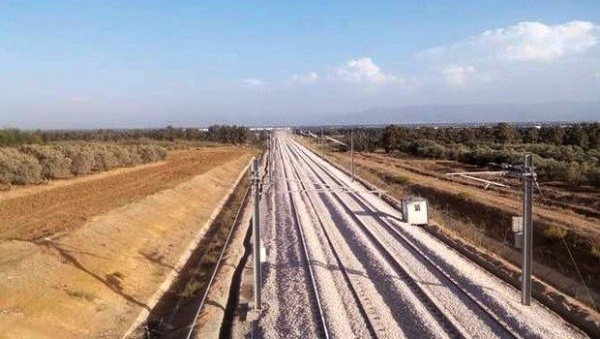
x=352 y=153
x=528 y=174
x=256 y=234
x=522 y=226
x=271 y=157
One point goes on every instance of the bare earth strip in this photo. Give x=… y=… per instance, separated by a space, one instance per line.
x=95 y=280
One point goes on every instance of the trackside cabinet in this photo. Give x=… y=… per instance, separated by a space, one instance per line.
x=415 y=211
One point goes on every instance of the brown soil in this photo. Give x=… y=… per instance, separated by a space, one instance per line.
x=45 y=211
x=98 y=276
x=427 y=173
x=584 y=200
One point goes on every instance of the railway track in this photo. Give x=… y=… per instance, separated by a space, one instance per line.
x=449 y=323
x=449 y=326
x=355 y=288
x=307 y=260
x=342 y=264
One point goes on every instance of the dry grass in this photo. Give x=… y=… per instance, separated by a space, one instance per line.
x=213 y=244
x=464 y=195
x=81 y=294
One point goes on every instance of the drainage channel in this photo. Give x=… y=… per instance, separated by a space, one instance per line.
x=232 y=309
x=177 y=308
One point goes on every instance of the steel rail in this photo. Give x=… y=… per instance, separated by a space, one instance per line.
x=415 y=250
x=338 y=259
x=450 y=325
x=298 y=225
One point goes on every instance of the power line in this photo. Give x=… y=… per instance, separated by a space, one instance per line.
x=544 y=200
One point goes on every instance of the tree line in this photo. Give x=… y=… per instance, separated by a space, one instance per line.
x=218 y=133
x=30 y=157
x=562 y=153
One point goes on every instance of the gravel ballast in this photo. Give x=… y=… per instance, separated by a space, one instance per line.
x=399 y=272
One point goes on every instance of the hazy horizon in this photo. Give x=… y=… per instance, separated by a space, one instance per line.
x=111 y=64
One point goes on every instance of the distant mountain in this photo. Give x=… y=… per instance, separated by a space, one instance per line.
x=474 y=113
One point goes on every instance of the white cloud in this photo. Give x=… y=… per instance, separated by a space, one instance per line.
x=535 y=41
x=254 y=83
x=363 y=71
x=457 y=75
x=526 y=41
x=304 y=78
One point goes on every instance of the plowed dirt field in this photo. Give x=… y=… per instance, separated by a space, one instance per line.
x=63 y=206
x=86 y=258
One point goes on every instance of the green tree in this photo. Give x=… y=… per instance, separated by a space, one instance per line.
x=505 y=133
x=390 y=138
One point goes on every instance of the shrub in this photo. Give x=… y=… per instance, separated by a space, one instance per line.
x=464 y=195
x=54 y=164
x=594 y=177
x=595 y=251
x=82 y=158
x=19 y=168
x=32 y=163
x=104 y=159
x=401 y=180
x=555 y=233
x=150 y=153
x=428 y=148
x=125 y=155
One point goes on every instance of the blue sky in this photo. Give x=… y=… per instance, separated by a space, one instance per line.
x=151 y=63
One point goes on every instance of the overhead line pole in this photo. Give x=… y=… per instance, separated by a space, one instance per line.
x=271 y=157
x=523 y=227
x=528 y=174
x=256 y=234
x=352 y=153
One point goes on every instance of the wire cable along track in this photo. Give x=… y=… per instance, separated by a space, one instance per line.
x=213 y=275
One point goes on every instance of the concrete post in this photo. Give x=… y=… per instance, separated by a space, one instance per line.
x=271 y=158
x=528 y=174
x=352 y=153
x=256 y=235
